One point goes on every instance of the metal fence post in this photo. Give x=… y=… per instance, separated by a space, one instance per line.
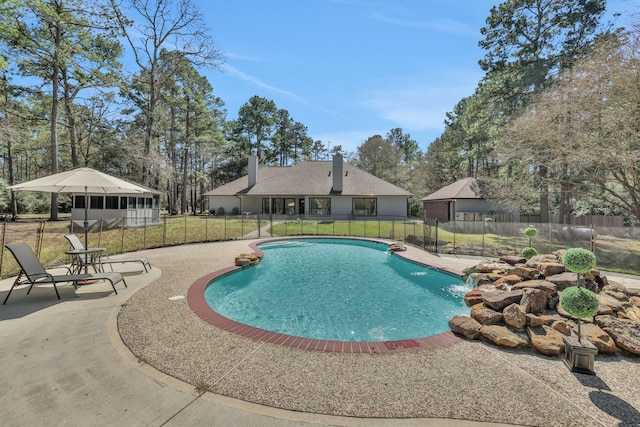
x=393 y=227
x=122 y=235
x=164 y=231
x=185 y=228
x=4 y=233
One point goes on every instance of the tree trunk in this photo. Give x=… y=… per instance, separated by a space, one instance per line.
x=71 y=122
x=55 y=76
x=544 y=194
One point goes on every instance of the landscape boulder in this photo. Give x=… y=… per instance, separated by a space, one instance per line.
x=498 y=300
x=507 y=281
x=247 y=260
x=515 y=316
x=598 y=337
x=632 y=312
x=546 y=340
x=541 y=284
x=527 y=273
x=534 y=300
x=503 y=336
x=535 y=320
x=485 y=315
x=625 y=333
x=467 y=326
x=513 y=259
x=474 y=297
x=549 y=268
x=562 y=280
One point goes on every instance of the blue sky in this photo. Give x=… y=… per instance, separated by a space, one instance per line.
x=351 y=69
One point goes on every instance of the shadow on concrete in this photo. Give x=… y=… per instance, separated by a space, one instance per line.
x=608 y=403
x=43 y=297
x=616 y=407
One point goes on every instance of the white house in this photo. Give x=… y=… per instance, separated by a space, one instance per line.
x=311 y=189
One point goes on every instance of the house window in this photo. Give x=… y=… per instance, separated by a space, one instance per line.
x=132 y=203
x=78 y=202
x=96 y=202
x=149 y=201
x=123 y=202
x=320 y=206
x=111 y=202
x=279 y=206
x=365 y=206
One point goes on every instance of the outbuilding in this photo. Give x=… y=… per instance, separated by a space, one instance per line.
x=110 y=210
x=464 y=200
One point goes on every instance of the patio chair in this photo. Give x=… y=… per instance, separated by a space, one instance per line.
x=77 y=244
x=32 y=272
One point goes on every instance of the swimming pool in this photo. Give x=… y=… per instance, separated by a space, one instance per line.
x=339 y=289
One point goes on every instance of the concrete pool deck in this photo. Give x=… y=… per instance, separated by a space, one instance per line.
x=65 y=362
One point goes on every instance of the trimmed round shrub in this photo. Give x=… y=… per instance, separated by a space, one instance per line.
x=578 y=260
x=529 y=252
x=579 y=302
x=530 y=232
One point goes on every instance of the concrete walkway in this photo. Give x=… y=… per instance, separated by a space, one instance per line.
x=63 y=362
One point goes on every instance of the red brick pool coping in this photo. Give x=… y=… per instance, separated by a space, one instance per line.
x=197 y=303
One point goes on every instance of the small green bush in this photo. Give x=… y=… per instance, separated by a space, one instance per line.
x=578 y=260
x=528 y=252
x=530 y=232
x=579 y=302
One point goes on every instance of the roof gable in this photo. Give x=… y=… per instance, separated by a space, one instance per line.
x=467 y=188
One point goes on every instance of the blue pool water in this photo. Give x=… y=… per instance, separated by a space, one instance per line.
x=339 y=289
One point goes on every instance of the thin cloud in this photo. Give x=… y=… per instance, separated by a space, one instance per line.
x=442 y=25
x=420 y=107
x=247 y=58
x=233 y=71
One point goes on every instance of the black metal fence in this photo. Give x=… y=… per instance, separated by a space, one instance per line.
x=615 y=247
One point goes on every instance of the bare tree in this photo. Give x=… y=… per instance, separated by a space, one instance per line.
x=175 y=25
x=588 y=125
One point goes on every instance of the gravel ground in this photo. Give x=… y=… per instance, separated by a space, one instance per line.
x=469 y=380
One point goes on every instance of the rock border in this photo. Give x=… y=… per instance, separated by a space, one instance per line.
x=515 y=304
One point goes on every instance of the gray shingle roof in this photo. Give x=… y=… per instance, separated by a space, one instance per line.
x=309 y=178
x=467 y=188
